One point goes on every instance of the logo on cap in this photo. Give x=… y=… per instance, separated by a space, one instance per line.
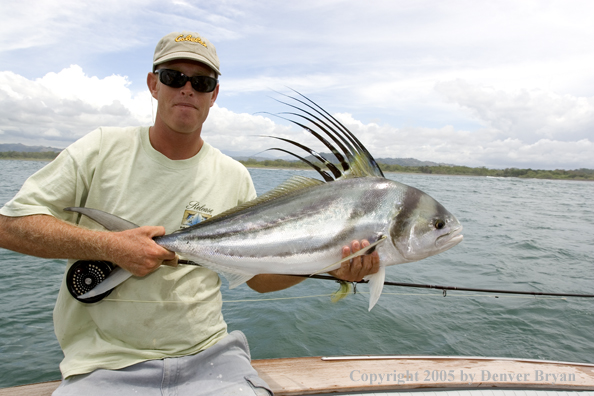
x=190 y=38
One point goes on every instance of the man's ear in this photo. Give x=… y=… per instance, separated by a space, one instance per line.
x=151 y=82
x=214 y=95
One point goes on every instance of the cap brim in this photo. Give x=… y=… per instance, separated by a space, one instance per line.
x=186 y=55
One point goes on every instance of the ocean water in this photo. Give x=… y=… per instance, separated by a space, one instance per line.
x=534 y=235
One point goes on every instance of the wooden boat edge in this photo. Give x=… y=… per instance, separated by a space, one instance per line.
x=322 y=375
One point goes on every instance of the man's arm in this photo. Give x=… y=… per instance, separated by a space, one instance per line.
x=351 y=271
x=48 y=237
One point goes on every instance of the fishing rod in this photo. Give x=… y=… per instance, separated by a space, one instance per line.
x=84 y=275
x=446 y=288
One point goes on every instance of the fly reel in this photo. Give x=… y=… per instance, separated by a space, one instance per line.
x=84 y=275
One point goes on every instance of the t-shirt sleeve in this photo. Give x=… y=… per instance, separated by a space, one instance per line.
x=248 y=191
x=62 y=183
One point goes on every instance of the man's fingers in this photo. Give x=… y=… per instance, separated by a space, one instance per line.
x=375 y=262
x=357 y=268
x=173 y=262
x=368 y=259
x=346 y=252
x=362 y=265
x=155 y=231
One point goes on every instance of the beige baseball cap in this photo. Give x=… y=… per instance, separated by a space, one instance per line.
x=186 y=45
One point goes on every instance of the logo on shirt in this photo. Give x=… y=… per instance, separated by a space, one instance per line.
x=195 y=213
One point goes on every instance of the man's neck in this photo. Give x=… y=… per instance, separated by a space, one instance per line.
x=175 y=145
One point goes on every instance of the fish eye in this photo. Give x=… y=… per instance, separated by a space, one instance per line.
x=439 y=224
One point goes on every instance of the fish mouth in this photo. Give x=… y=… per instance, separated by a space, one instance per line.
x=449 y=240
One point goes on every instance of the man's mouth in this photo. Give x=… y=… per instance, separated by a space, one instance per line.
x=185 y=105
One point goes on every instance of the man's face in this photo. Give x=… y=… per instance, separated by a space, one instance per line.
x=182 y=110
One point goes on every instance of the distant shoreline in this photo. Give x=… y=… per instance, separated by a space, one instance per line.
x=29 y=155
x=430 y=174
x=575 y=175
x=28 y=159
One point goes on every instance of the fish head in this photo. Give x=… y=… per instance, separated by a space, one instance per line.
x=422 y=227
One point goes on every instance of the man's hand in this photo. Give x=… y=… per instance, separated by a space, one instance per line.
x=137 y=252
x=356 y=269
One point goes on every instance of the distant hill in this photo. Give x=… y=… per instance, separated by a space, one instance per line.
x=388 y=161
x=247 y=157
x=26 y=149
x=409 y=162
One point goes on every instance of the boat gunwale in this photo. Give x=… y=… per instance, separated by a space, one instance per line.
x=449 y=357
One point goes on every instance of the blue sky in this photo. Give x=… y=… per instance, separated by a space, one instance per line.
x=479 y=83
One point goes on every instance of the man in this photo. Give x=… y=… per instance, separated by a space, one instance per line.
x=161 y=331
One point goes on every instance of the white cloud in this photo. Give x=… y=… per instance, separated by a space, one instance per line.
x=61 y=107
x=483 y=147
x=72 y=83
x=239 y=133
x=94 y=26
x=52 y=132
x=530 y=115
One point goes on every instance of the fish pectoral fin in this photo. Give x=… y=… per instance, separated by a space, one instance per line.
x=107 y=220
x=345 y=289
x=376 y=285
x=362 y=252
x=236 y=279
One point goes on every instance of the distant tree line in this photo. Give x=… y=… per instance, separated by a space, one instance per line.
x=43 y=155
x=277 y=163
x=578 y=174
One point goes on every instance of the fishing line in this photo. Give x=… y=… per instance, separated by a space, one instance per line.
x=251 y=299
x=224 y=301
x=317 y=296
x=543 y=295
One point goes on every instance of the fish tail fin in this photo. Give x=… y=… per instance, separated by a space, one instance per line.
x=376 y=285
x=107 y=220
x=344 y=290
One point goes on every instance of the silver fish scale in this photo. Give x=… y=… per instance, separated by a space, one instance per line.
x=299 y=233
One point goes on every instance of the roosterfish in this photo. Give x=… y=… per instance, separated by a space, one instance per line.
x=299 y=227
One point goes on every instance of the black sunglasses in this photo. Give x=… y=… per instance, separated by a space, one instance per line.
x=176 y=79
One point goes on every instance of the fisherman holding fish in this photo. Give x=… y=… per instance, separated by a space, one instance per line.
x=162 y=330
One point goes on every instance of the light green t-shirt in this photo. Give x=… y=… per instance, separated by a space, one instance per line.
x=171 y=312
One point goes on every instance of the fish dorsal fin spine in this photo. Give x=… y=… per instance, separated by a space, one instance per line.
x=360 y=167
x=293 y=184
x=356 y=161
